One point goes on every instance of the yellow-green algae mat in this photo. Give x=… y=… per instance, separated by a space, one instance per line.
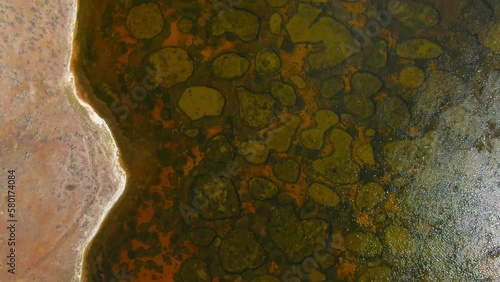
x=297 y=140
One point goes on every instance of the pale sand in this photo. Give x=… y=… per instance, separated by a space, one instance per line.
x=66 y=161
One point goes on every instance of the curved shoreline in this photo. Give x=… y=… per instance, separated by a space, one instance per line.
x=71 y=79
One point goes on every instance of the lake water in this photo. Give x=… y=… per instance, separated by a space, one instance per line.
x=275 y=140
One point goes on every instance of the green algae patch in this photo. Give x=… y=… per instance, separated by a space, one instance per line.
x=365 y=154
x=408 y=156
x=279 y=140
x=378 y=56
x=277 y=3
x=215 y=197
x=218 y=149
x=284 y=93
x=172 y=65
x=145 y=21
x=240 y=251
x=275 y=22
x=338 y=167
x=492 y=38
x=399 y=241
x=437 y=88
x=370 y=196
x=297 y=239
x=185 y=25
x=417 y=15
x=376 y=274
x=298 y=81
x=419 y=49
x=194 y=270
x=307 y=26
x=358 y=102
x=230 y=65
x=202 y=236
x=265 y=278
x=411 y=77
x=393 y=113
x=323 y=195
x=262 y=188
x=287 y=170
x=331 y=87
x=267 y=61
x=366 y=245
x=241 y=23
x=313 y=138
x=201 y=101
x=255 y=109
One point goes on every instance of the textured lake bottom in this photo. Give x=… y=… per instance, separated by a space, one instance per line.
x=297 y=140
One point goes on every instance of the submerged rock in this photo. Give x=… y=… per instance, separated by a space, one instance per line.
x=369 y=196
x=279 y=140
x=439 y=86
x=492 y=38
x=358 y=102
x=215 y=197
x=276 y=3
x=230 y=65
x=363 y=244
x=172 y=65
x=459 y=121
x=365 y=154
x=313 y=138
x=265 y=278
x=185 y=25
x=201 y=101
x=240 y=251
x=417 y=15
x=262 y=188
x=298 y=81
x=331 y=87
x=284 y=93
x=297 y=239
x=190 y=131
x=287 y=170
x=376 y=274
x=255 y=109
x=338 y=167
x=316 y=276
x=275 y=23
x=378 y=56
x=194 y=270
x=238 y=22
x=323 y=195
x=411 y=77
x=392 y=113
x=218 y=149
x=308 y=26
x=399 y=241
x=145 y=21
x=267 y=61
x=365 y=84
x=419 y=49
x=202 y=236
x=407 y=156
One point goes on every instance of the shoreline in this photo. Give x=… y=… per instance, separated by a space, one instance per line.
x=72 y=80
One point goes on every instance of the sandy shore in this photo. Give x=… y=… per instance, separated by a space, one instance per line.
x=65 y=162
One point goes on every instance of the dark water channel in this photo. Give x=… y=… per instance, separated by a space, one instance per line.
x=315 y=140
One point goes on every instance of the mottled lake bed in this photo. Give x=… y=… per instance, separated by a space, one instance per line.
x=275 y=140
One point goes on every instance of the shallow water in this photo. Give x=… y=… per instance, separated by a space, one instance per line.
x=297 y=140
